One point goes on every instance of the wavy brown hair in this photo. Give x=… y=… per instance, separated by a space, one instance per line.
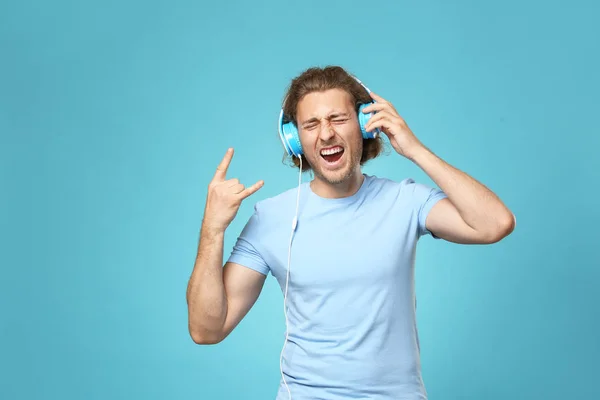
x=317 y=79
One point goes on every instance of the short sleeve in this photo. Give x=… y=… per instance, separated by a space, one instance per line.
x=424 y=198
x=246 y=249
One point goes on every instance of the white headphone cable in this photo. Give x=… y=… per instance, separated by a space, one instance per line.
x=294 y=224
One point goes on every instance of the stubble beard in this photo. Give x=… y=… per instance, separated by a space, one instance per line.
x=341 y=175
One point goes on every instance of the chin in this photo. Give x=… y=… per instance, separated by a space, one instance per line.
x=334 y=178
x=334 y=173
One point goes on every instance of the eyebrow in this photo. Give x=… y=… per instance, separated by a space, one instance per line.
x=330 y=116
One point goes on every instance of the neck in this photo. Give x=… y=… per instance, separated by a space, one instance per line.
x=345 y=188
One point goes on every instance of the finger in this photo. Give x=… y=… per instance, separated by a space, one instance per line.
x=378 y=98
x=231 y=182
x=383 y=125
x=391 y=115
x=377 y=117
x=252 y=189
x=238 y=188
x=221 y=171
x=375 y=107
x=382 y=122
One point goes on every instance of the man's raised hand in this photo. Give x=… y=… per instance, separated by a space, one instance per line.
x=225 y=196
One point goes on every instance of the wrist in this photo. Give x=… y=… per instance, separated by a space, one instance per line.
x=212 y=230
x=418 y=154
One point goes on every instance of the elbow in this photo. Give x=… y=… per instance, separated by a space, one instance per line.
x=508 y=224
x=205 y=338
x=504 y=228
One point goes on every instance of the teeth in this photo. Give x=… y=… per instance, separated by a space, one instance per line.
x=331 y=151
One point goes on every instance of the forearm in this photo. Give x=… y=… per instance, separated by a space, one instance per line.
x=206 y=297
x=478 y=206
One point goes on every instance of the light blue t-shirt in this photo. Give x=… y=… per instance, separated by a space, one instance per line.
x=351 y=298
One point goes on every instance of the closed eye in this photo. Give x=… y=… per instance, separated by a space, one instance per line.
x=339 y=120
x=336 y=118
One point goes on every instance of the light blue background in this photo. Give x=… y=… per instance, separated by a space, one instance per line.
x=114 y=115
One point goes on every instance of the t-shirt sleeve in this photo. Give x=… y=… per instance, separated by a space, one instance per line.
x=424 y=198
x=246 y=250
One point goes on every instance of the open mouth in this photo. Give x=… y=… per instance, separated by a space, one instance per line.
x=332 y=154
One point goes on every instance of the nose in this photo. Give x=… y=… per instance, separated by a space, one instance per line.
x=326 y=131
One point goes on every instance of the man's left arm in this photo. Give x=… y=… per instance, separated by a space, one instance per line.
x=471 y=213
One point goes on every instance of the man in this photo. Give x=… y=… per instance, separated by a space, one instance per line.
x=351 y=304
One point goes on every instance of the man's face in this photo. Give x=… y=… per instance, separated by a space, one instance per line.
x=330 y=134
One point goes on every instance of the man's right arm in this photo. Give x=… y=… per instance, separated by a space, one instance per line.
x=218 y=296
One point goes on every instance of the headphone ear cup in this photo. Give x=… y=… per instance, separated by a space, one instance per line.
x=290 y=133
x=363 y=119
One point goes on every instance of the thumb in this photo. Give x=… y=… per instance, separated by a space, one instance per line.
x=252 y=189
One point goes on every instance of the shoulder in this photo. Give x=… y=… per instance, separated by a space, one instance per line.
x=405 y=186
x=267 y=215
x=279 y=205
x=406 y=190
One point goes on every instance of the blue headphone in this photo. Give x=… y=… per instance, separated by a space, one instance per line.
x=288 y=133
